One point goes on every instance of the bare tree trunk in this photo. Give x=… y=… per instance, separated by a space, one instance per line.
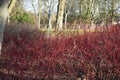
x=50 y=15
x=66 y=15
x=32 y=2
x=3 y=17
x=39 y=13
x=50 y=23
x=5 y=9
x=36 y=15
x=10 y=6
x=68 y=6
x=2 y=26
x=112 y=11
x=60 y=14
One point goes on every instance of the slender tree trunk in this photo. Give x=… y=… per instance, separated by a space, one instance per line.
x=66 y=15
x=50 y=23
x=39 y=13
x=2 y=26
x=36 y=16
x=3 y=17
x=60 y=14
x=50 y=15
x=10 y=7
x=68 y=6
x=32 y=3
x=112 y=11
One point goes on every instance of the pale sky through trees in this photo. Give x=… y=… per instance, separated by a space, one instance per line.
x=28 y=6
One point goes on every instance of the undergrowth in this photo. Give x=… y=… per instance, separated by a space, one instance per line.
x=96 y=54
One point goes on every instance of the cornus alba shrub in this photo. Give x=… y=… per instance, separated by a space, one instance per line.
x=97 y=54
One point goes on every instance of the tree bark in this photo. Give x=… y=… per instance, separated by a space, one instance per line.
x=11 y=5
x=50 y=14
x=66 y=15
x=5 y=9
x=39 y=13
x=50 y=23
x=61 y=6
x=112 y=11
x=3 y=17
x=68 y=6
